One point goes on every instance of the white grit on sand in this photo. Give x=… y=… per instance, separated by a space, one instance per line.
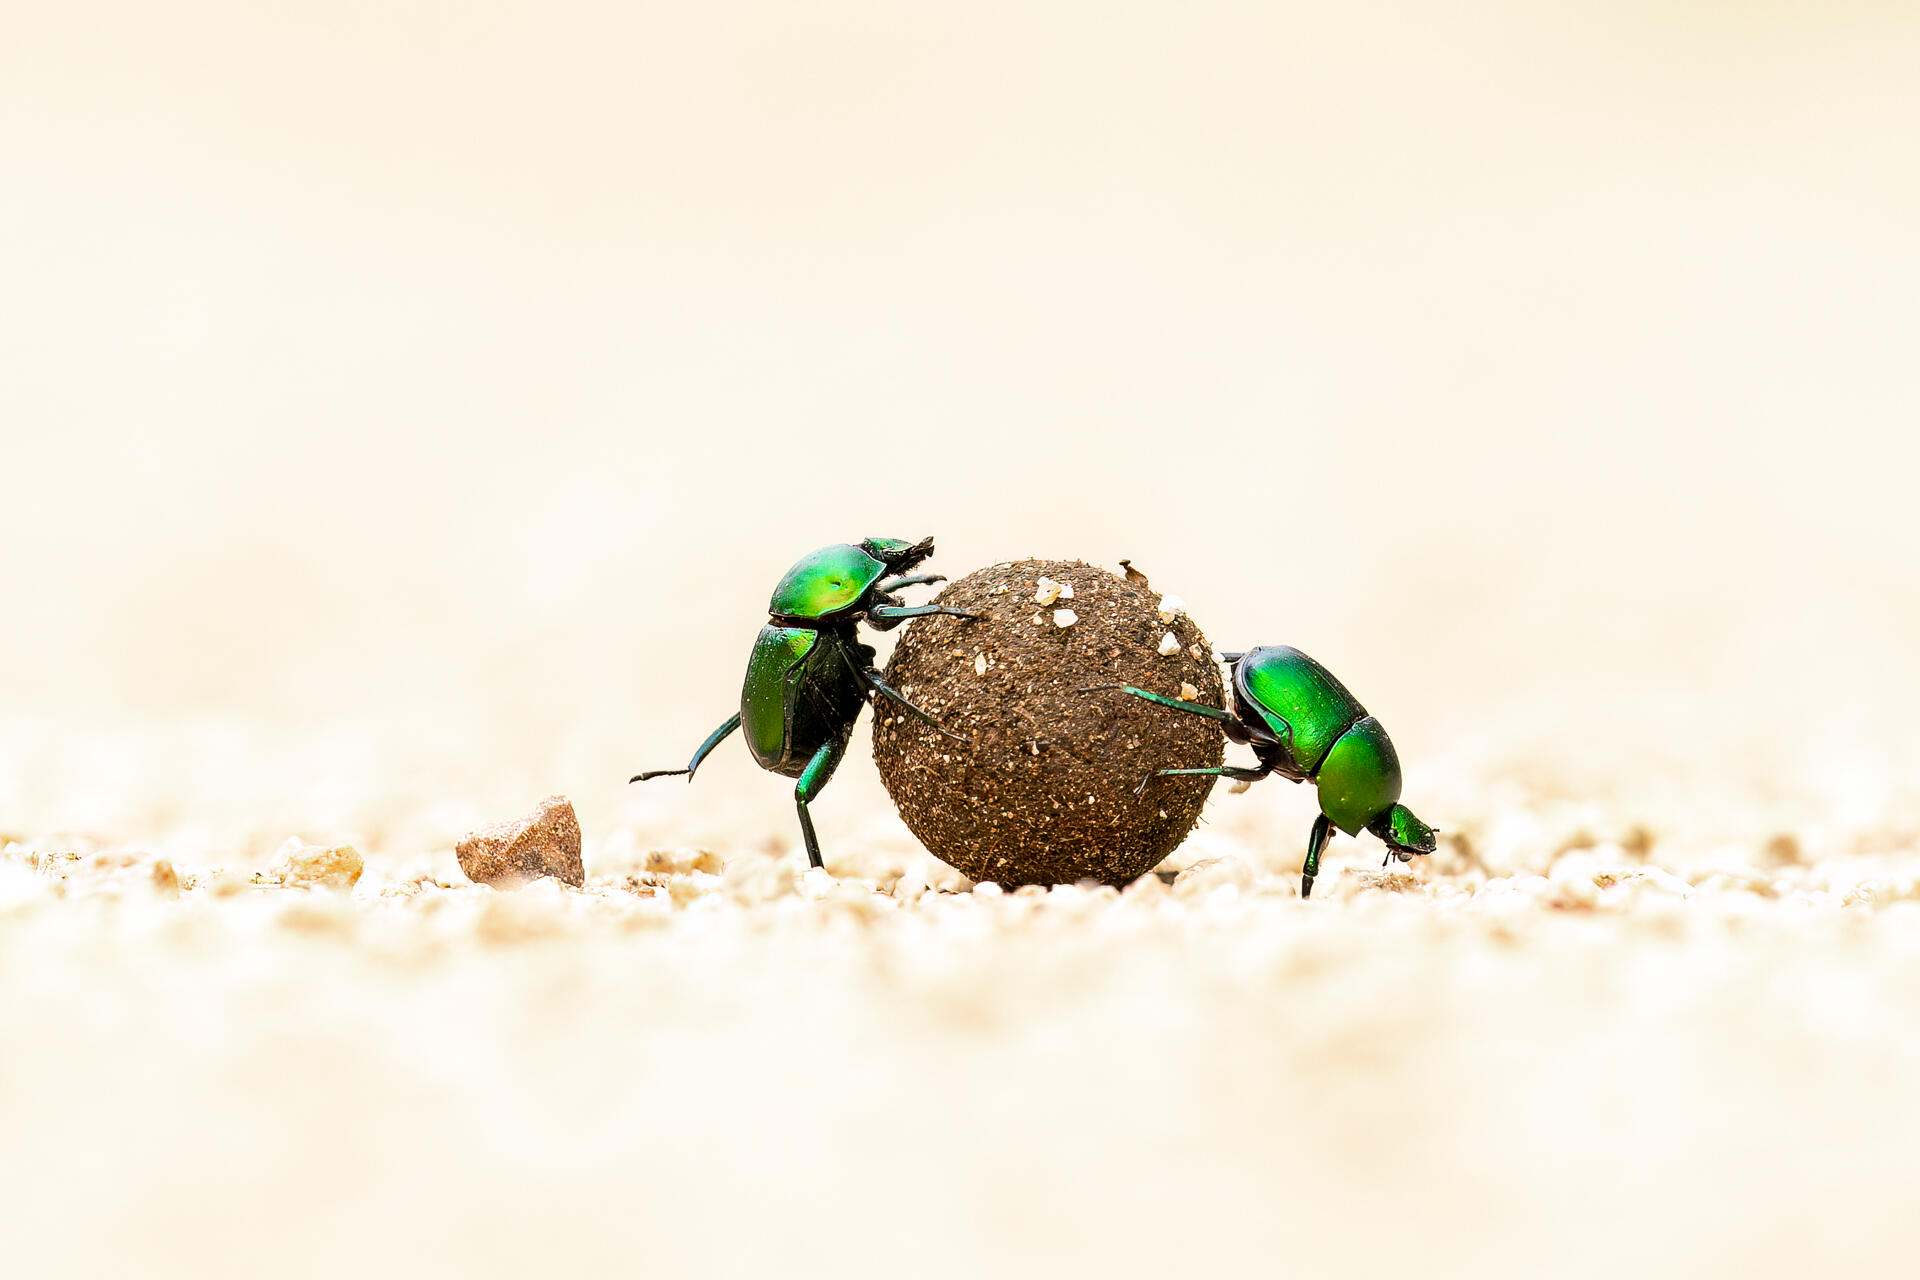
x=1571 y=1043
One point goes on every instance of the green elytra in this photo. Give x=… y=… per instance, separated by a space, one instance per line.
x=808 y=675
x=1304 y=725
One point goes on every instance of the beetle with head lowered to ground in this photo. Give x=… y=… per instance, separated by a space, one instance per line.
x=1304 y=725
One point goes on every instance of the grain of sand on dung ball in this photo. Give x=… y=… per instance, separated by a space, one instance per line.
x=1040 y=784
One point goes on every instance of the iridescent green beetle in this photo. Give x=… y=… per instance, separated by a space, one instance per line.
x=1303 y=725
x=808 y=675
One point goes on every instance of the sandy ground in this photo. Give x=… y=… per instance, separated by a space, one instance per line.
x=1567 y=1044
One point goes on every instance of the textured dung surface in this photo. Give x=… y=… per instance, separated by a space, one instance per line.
x=1041 y=790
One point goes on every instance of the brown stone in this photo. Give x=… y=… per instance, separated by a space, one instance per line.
x=1039 y=787
x=166 y=881
x=545 y=844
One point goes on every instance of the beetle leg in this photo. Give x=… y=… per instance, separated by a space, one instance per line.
x=814 y=777
x=885 y=690
x=909 y=580
x=1234 y=771
x=714 y=739
x=1316 y=841
x=1196 y=708
x=884 y=616
x=865 y=674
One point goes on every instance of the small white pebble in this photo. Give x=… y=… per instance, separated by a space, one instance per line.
x=1171 y=607
x=980 y=664
x=988 y=889
x=1169 y=645
x=1065 y=617
x=1199 y=654
x=1066 y=591
x=911 y=886
x=1188 y=692
x=1045 y=591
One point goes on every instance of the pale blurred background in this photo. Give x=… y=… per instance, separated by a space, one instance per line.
x=408 y=407
x=461 y=378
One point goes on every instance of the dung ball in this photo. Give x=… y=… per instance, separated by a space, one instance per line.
x=1038 y=785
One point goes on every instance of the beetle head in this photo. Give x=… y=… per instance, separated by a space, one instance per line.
x=1403 y=832
x=897 y=553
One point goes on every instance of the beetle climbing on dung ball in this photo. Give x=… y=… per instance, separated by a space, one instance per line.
x=809 y=675
x=1304 y=725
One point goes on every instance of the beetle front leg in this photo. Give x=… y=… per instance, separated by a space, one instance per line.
x=1316 y=841
x=714 y=739
x=885 y=617
x=815 y=776
x=909 y=580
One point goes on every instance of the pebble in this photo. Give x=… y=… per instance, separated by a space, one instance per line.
x=1171 y=607
x=1209 y=874
x=320 y=866
x=1065 y=618
x=546 y=843
x=911 y=886
x=1169 y=645
x=166 y=881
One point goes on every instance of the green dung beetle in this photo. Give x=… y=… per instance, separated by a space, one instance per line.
x=808 y=675
x=1303 y=725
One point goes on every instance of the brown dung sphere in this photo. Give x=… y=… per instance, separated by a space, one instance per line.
x=1040 y=788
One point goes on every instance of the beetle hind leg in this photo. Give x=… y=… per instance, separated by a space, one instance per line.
x=714 y=739
x=1234 y=771
x=1161 y=699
